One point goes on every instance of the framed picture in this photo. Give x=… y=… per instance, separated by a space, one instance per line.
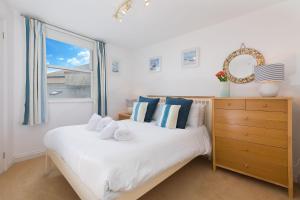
x=155 y=64
x=115 y=66
x=190 y=58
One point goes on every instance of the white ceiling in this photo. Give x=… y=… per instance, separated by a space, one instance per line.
x=143 y=25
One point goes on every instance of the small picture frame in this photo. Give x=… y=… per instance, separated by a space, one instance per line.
x=155 y=64
x=190 y=58
x=115 y=66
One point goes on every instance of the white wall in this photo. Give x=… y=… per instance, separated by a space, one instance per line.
x=28 y=141
x=275 y=31
x=118 y=83
x=6 y=15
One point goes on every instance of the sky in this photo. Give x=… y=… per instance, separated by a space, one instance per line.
x=65 y=55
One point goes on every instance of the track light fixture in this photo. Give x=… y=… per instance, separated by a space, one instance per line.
x=124 y=8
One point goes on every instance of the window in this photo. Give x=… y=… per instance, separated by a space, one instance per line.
x=69 y=67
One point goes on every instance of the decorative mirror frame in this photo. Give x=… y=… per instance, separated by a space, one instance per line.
x=260 y=60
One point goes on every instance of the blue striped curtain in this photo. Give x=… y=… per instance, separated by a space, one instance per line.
x=101 y=79
x=35 y=111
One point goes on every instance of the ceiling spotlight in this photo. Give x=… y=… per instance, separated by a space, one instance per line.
x=147 y=2
x=124 y=8
x=124 y=11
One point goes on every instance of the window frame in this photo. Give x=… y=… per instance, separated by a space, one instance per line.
x=73 y=39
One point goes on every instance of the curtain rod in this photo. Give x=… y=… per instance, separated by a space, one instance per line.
x=55 y=26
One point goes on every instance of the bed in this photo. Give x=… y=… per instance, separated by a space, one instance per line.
x=107 y=169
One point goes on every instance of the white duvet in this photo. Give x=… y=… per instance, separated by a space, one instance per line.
x=108 y=167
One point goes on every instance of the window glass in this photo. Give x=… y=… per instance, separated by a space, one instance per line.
x=69 y=84
x=66 y=55
x=68 y=70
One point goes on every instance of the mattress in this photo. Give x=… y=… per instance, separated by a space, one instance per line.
x=109 y=167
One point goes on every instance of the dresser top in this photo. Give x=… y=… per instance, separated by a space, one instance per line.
x=258 y=98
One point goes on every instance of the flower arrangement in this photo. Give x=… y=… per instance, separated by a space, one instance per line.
x=222 y=76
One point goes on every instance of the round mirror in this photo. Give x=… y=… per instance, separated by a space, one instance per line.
x=239 y=66
x=242 y=66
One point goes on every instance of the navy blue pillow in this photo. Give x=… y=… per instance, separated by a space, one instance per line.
x=183 y=111
x=152 y=104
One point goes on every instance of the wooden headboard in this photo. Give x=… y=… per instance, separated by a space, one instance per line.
x=204 y=100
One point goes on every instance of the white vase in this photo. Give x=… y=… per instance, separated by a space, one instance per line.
x=224 y=89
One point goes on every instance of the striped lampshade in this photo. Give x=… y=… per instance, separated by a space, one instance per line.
x=272 y=72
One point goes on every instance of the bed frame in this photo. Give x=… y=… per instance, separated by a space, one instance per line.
x=53 y=159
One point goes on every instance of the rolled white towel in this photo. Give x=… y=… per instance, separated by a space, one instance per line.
x=123 y=134
x=109 y=130
x=91 y=126
x=103 y=123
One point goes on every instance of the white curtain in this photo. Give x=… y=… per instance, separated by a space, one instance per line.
x=101 y=79
x=35 y=111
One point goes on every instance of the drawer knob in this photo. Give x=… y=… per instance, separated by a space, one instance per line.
x=246 y=118
x=265 y=106
x=246 y=134
x=229 y=104
x=246 y=165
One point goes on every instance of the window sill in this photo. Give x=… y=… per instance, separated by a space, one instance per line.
x=70 y=101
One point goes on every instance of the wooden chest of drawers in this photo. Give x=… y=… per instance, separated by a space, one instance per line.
x=253 y=136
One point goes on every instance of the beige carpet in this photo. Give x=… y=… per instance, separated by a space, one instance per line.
x=196 y=181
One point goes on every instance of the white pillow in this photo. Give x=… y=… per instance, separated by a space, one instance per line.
x=103 y=123
x=202 y=115
x=196 y=115
x=158 y=111
x=93 y=122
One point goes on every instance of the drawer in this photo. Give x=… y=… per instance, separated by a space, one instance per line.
x=269 y=137
x=236 y=104
x=260 y=119
x=267 y=105
x=268 y=163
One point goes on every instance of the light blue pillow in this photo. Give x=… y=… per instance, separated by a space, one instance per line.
x=169 y=116
x=139 y=111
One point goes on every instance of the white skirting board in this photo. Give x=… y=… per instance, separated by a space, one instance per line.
x=11 y=160
x=28 y=155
